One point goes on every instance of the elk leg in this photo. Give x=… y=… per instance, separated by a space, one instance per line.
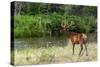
x=73 y=48
x=81 y=49
x=86 y=49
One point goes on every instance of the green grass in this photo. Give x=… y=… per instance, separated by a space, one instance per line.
x=54 y=54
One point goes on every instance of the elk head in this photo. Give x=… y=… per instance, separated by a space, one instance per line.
x=65 y=27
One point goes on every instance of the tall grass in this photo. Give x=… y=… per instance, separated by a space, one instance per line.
x=54 y=54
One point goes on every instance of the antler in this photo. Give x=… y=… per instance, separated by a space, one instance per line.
x=67 y=24
x=70 y=24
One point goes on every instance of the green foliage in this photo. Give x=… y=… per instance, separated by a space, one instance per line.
x=42 y=25
x=81 y=23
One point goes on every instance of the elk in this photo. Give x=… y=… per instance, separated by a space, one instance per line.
x=76 y=38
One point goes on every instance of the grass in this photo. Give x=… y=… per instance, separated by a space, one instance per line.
x=54 y=54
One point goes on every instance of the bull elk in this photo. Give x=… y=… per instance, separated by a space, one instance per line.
x=76 y=38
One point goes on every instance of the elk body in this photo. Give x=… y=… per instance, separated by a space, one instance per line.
x=76 y=38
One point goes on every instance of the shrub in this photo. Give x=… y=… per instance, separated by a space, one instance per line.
x=43 y=25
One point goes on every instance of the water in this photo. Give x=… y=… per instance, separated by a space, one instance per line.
x=39 y=42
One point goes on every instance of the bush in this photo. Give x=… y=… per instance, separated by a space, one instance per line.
x=43 y=25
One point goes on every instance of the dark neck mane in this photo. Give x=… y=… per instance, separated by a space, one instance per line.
x=68 y=33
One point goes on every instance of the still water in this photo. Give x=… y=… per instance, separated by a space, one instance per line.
x=39 y=42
